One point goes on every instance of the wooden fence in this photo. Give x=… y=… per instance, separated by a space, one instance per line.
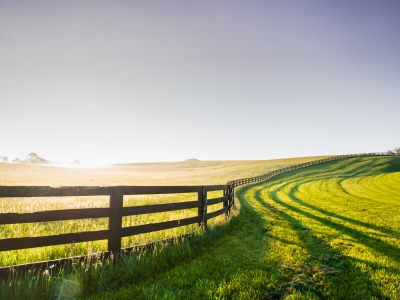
x=116 y=211
x=243 y=181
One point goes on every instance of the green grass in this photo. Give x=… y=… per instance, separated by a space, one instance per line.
x=329 y=231
x=334 y=229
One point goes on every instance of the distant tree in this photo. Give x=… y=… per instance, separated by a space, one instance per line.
x=394 y=151
x=193 y=159
x=34 y=158
x=4 y=158
x=17 y=161
x=76 y=162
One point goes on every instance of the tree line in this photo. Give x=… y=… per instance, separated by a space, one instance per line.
x=31 y=158
x=394 y=151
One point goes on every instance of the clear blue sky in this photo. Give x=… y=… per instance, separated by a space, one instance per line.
x=132 y=81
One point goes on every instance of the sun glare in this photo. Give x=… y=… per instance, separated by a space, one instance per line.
x=79 y=166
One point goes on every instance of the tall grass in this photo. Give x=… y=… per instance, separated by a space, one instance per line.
x=24 y=205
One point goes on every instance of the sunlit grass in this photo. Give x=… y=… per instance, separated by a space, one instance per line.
x=334 y=229
x=24 y=205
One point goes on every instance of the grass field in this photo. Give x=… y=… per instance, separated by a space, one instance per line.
x=332 y=231
x=179 y=173
x=329 y=231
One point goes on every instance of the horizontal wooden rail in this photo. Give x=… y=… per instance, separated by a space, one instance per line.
x=217 y=200
x=217 y=213
x=211 y=188
x=145 y=228
x=46 y=191
x=55 y=215
x=157 y=208
x=51 y=240
x=154 y=190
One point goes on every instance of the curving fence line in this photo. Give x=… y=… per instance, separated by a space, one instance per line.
x=116 y=211
x=243 y=181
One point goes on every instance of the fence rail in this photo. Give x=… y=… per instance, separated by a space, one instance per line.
x=116 y=211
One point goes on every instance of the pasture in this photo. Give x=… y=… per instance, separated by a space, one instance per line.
x=332 y=230
x=329 y=231
x=325 y=231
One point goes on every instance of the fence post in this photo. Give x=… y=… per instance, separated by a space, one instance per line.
x=200 y=206
x=232 y=195
x=115 y=220
x=226 y=203
x=204 y=204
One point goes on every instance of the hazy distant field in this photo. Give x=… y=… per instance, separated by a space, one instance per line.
x=170 y=173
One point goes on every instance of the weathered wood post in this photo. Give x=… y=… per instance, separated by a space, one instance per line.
x=204 y=204
x=115 y=220
x=226 y=203
x=200 y=206
x=232 y=195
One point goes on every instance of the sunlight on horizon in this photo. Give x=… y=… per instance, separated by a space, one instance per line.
x=79 y=166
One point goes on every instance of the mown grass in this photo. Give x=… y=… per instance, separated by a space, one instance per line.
x=337 y=232
x=330 y=231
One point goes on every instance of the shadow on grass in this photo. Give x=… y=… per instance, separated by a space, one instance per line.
x=376 y=244
x=382 y=247
x=320 y=256
x=390 y=163
x=96 y=275
x=341 y=277
x=227 y=264
x=384 y=230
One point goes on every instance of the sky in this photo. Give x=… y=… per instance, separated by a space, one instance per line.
x=144 y=81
